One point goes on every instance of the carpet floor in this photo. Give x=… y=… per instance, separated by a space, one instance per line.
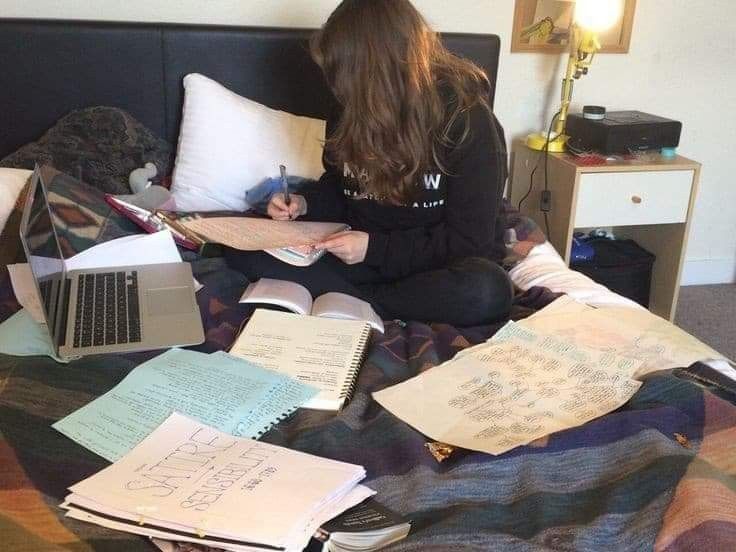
x=709 y=313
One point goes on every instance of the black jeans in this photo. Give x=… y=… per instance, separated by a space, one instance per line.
x=468 y=292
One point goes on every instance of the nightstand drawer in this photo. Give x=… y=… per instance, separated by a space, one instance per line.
x=633 y=198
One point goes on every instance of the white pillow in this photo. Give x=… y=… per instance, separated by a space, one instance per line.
x=228 y=144
x=11 y=184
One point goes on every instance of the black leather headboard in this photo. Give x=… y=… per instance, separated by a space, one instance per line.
x=49 y=68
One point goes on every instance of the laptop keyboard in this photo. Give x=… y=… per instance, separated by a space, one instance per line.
x=108 y=309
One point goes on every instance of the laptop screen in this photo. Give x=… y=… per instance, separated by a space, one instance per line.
x=43 y=254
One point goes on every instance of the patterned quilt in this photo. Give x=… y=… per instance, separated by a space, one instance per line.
x=659 y=473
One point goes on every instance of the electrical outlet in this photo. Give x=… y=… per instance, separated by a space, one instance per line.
x=545 y=205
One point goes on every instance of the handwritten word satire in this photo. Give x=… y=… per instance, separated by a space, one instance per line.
x=215 y=485
x=205 y=463
x=181 y=465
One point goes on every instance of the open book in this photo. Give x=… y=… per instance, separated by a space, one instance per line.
x=321 y=352
x=296 y=298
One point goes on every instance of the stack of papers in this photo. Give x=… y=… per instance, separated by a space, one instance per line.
x=191 y=483
x=231 y=394
x=367 y=527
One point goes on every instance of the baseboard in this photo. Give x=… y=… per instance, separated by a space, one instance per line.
x=700 y=272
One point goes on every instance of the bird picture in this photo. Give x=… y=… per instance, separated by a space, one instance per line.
x=545 y=25
x=548 y=22
x=538 y=32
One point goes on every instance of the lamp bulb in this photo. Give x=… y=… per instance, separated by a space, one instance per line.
x=598 y=15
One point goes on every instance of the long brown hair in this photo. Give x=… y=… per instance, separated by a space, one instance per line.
x=389 y=71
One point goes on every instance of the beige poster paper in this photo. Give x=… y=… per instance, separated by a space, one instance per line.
x=511 y=393
x=632 y=333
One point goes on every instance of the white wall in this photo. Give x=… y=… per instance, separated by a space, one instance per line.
x=681 y=64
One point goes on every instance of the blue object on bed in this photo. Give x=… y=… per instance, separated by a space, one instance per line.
x=259 y=196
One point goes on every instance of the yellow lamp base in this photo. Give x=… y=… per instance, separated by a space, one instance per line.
x=538 y=142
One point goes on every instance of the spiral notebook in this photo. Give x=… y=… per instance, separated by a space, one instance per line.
x=321 y=352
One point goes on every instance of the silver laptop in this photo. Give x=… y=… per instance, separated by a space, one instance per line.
x=107 y=310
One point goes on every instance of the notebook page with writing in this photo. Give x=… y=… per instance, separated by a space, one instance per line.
x=321 y=352
x=258 y=234
x=228 y=393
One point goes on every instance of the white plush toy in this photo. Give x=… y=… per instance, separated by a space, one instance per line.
x=140 y=179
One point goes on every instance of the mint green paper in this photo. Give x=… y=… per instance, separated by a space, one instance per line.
x=21 y=335
x=230 y=394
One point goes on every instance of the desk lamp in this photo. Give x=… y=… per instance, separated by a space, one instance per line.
x=591 y=17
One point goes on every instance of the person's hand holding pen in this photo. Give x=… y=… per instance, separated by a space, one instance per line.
x=286 y=206
x=279 y=210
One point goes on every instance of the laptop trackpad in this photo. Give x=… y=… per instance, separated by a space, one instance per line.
x=168 y=301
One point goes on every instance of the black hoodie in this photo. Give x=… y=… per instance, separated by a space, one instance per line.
x=453 y=215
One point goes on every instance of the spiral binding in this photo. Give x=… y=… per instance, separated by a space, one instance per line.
x=280 y=418
x=346 y=393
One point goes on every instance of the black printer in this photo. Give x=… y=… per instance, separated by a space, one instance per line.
x=622 y=132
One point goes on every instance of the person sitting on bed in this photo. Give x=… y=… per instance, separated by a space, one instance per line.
x=415 y=163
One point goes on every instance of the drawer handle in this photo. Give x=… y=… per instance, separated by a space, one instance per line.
x=636 y=199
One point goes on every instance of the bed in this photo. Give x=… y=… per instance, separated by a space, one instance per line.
x=621 y=482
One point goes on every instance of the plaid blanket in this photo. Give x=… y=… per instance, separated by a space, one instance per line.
x=659 y=473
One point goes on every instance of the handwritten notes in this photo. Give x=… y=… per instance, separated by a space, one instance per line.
x=231 y=394
x=512 y=391
x=632 y=333
x=190 y=480
x=321 y=352
x=257 y=234
x=560 y=368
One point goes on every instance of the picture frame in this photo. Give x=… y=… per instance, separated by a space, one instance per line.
x=543 y=26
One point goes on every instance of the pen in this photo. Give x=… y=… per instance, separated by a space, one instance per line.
x=284 y=185
x=177 y=228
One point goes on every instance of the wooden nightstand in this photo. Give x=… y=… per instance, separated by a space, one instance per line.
x=650 y=201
